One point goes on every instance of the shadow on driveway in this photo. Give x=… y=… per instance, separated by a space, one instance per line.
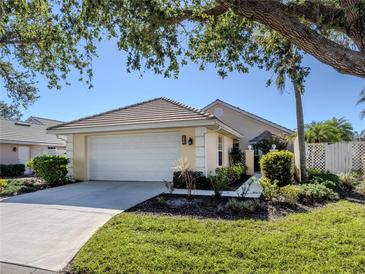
x=45 y=229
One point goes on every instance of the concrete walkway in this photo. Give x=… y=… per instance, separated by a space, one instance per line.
x=249 y=189
x=45 y=229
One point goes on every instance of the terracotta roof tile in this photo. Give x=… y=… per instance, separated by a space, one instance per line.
x=152 y=111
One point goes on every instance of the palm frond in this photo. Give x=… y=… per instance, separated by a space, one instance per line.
x=361 y=97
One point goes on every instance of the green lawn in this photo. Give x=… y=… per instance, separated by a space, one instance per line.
x=327 y=240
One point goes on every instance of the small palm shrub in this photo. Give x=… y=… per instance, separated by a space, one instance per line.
x=51 y=168
x=279 y=166
x=186 y=175
x=233 y=173
x=218 y=183
x=349 y=180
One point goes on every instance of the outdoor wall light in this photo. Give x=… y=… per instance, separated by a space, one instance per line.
x=14 y=149
x=183 y=139
x=190 y=142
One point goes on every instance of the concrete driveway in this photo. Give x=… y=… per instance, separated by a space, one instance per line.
x=45 y=229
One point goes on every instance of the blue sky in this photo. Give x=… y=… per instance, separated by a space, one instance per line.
x=328 y=93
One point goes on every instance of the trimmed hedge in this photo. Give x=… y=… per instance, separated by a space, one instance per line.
x=51 y=168
x=200 y=181
x=12 y=170
x=278 y=166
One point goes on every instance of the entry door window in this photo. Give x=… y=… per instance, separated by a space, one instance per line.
x=220 y=150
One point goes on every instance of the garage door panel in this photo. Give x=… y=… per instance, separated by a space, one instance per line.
x=141 y=157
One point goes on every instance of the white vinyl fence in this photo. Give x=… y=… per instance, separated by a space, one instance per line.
x=336 y=158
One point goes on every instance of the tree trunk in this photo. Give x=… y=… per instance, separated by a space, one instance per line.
x=301 y=139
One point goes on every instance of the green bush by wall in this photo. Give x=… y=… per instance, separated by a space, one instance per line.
x=12 y=170
x=51 y=168
x=278 y=166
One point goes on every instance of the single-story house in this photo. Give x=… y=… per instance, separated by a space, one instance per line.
x=144 y=141
x=22 y=140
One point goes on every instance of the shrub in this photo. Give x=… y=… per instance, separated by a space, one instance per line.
x=236 y=156
x=201 y=181
x=13 y=187
x=270 y=188
x=348 y=180
x=12 y=170
x=361 y=187
x=320 y=176
x=266 y=145
x=3 y=182
x=250 y=205
x=290 y=193
x=278 y=165
x=327 y=179
x=160 y=201
x=218 y=184
x=316 y=193
x=51 y=168
x=233 y=174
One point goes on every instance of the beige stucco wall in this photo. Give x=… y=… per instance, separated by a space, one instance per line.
x=79 y=144
x=212 y=150
x=247 y=126
x=7 y=155
x=80 y=148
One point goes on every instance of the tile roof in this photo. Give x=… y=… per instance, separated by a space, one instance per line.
x=43 y=121
x=249 y=114
x=26 y=133
x=152 y=111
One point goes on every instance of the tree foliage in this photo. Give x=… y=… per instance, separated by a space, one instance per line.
x=281 y=143
x=330 y=131
x=53 y=38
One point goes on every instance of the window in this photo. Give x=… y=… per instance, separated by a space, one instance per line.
x=52 y=151
x=220 y=150
x=236 y=144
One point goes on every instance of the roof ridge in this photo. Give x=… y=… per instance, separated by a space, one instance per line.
x=250 y=113
x=105 y=112
x=199 y=111
x=38 y=117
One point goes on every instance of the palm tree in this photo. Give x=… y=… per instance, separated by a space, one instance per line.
x=344 y=127
x=362 y=101
x=296 y=73
x=321 y=132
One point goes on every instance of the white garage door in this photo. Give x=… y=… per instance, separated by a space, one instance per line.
x=133 y=157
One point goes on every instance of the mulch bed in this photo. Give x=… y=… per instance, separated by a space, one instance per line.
x=211 y=207
x=231 y=187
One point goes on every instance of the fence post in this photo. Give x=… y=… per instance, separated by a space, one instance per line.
x=249 y=155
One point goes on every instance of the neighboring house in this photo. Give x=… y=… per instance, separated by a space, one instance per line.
x=143 y=142
x=252 y=127
x=22 y=140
